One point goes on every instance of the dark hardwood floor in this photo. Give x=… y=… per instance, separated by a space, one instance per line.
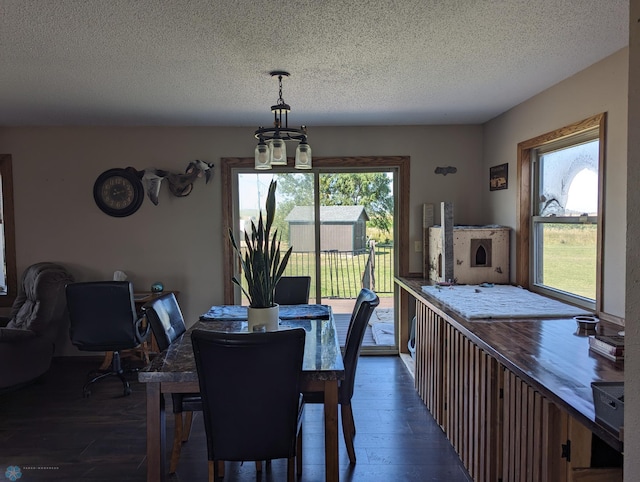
x=52 y=433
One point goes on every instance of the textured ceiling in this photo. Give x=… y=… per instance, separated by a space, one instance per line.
x=352 y=62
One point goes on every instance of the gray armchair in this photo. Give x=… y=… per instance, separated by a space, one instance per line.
x=27 y=340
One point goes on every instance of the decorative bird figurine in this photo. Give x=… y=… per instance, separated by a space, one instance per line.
x=152 y=180
x=446 y=170
x=181 y=185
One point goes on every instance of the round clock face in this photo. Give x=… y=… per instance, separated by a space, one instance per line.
x=118 y=192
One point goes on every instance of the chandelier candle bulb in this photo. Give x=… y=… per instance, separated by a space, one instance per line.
x=262 y=156
x=303 y=156
x=278 y=152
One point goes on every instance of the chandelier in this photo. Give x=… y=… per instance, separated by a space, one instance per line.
x=271 y=149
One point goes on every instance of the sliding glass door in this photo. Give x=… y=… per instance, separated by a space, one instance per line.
x=340 y=226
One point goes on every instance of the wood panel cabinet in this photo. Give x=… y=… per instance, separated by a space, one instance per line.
x=503 y=428
x=429 y=380
x=459 y=383
x=472 y=404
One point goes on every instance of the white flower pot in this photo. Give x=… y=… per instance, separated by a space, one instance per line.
x=263 y=317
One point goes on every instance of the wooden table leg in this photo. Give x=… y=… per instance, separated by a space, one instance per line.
x=156 y=440
x=106 y=361
x=331 y=430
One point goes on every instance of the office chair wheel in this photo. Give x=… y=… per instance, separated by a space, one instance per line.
x=127 y=391
x=86 y=393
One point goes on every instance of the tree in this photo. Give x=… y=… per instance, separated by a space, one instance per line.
x=371 y=190
x=294 y=189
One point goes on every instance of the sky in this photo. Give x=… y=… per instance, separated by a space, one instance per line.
x=581 y=192
x=253 y=189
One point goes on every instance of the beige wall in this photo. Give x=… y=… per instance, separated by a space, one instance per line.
x=179 y=242
x=600 y=88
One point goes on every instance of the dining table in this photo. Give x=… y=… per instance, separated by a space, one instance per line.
x=174 y=371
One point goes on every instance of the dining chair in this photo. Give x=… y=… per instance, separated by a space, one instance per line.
x=103 y=317
x=365 y=304
x=167 y=324
x=292 y=290
x=250 y=386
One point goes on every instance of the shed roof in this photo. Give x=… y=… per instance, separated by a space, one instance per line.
x=336 y=214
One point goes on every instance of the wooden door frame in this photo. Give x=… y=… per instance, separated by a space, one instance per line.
x=401 y=163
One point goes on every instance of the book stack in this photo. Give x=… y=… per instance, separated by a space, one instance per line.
x=609 y=346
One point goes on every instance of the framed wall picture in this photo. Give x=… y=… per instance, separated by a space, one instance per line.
x=498 y=177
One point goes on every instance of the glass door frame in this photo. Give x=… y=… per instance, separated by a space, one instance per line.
x=400 y=165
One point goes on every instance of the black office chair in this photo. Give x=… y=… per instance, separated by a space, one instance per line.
x=365 y=304
x=167 y=324
x=103 y=318
x=292 y=290
x=250 y=386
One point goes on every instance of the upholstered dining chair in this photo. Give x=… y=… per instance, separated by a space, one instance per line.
x=167 y=324
x=292 y=290
x=250 y=386
x=103 y=317
x=365 y=304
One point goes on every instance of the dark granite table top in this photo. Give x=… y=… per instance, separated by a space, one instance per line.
x=322 y=356
x=286 y=312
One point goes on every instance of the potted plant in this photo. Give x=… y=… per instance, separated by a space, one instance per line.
x=262 y=266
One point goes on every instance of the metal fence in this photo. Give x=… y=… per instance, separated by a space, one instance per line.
x=344 y=273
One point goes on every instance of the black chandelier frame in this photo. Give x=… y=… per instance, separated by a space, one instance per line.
x=281 y=129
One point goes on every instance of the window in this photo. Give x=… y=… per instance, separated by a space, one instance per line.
x=8 y=278
x=561 y=231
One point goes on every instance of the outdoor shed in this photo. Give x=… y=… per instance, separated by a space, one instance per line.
x=342 y=228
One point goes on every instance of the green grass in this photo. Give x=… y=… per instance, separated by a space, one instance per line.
x=569 y=265
x=570 y=257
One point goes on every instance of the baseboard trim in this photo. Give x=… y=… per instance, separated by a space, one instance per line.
x=410 y=363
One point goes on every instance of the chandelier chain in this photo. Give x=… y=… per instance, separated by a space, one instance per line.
x=280 y=99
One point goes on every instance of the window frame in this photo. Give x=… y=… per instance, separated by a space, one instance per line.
x=6 y=176
x=526 y=206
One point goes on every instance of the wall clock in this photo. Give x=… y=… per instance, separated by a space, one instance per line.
x=118 y=192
